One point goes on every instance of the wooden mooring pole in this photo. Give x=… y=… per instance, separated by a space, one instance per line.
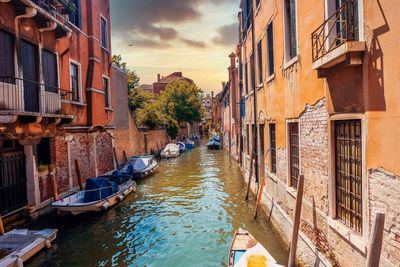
x=125 y=157
x=251 y=174
x=53 y=183
x=78 y=175
x=296 y=222
x=2 y=231
x=115 y=157
x=375 y=243
x=260 y=193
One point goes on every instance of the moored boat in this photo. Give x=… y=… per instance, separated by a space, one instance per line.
x=245 y=251
x=170 y=151
x=214 y=145
x=18 y=246
x=139 y=167
x=100 y=194
x=189 y=144
x=182 y=147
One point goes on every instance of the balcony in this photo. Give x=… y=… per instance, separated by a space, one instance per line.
x=336 y=40
x=30 y=102
x=49 y=11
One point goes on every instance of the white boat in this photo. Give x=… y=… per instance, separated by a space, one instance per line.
x=18 y=246
x=245 y=251
x=170 y=151
x=100 y=194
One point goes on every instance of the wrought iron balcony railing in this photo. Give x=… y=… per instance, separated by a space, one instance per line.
x=25 y=96
x=339 y=28
x=63 y=10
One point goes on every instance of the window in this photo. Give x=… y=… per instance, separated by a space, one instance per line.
x=270 y=49
x=104 y=32
x=44 y=153
x=272 y=147
x=50 y=75
x=106 y=91
x=294 y=153
x=74 y=16
x=246 y=78
x=247 y=139
x=348 y=169
x=75 y=82
x=290 y=29
x=260 y=69
x=252 y=72
x=7 y=67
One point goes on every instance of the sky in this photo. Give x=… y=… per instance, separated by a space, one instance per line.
x=164 y=36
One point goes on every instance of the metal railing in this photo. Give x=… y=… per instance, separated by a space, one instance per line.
x=62 y=10
x=23 y=95
x=338 y=29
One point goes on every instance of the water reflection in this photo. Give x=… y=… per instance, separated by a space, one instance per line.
x=185 y=215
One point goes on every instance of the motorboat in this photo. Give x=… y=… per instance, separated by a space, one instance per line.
x=182 y=147
x=19 y=245
x=100 y=194
x=139 y=167
x=214 y=145
x=245 y=251
x=170 y=151
x=189 y=144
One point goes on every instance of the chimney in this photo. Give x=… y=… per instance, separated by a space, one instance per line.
x=223 y=85
x=158 y=77
x=233 y=57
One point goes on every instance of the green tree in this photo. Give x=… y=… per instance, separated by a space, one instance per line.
x=150 y=116
x=182 y=101
x=138 y=99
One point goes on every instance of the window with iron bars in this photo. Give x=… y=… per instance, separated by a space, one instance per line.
x=348 y=171
x=294 y=154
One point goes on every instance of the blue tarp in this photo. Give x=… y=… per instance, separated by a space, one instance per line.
x=213 y=143
x=215 y=138
x=106 y=189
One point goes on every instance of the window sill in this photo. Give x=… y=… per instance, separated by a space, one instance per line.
x=260 y=86
x=290 y=62
x=105 y=48
x=291 y=191
x=76 y=103
x=270 y=78
x=348 y=234
x=272 y=176
x=258 y=9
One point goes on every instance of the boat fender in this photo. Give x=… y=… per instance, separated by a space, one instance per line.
x=105 y=205
x=131 y=188
x=48 y=244
x=120 y=198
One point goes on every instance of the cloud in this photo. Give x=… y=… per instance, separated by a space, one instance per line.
x=151 y=19
x=194 y=43
x=148 y=43
x=227 y=35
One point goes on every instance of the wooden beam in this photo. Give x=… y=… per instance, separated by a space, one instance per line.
x=296 y=222
x=115 y=157
x=251 y=173
x=78 y=175
x=375 y=243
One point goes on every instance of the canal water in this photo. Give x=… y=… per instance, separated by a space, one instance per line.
x=184 y=215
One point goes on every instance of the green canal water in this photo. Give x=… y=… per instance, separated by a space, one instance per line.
x=184 y=215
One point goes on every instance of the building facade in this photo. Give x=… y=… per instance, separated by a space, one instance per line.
x=162 y=82
x=324 y=91
x=55 y=98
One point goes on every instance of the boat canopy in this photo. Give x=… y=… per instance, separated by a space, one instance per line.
x=99 y=188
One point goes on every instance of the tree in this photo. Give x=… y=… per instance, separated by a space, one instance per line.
x=182 y=101
x=138 y=99
x=150 y=116
x=133 y=78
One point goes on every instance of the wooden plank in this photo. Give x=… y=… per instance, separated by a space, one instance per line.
x=115 y=157
x=375 y=244
x=296 y=223
x=53 y=184
x=125 y=157
x=251 y=173
x=2 y=231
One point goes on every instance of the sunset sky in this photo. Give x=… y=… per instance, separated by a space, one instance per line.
x=158 y=36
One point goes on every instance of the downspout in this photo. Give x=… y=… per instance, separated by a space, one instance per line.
x=30 y=12
x=89 y=77
x=255 y=134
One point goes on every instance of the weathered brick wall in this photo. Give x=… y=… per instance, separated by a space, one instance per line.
x=104 y=153
x=384 y=192
x=314 y=153
x=61 y=159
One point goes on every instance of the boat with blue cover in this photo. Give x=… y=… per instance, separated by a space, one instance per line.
x=100 y=194
x=189 y=144
x=138 y=167
x=182 y=147
x=214 y=142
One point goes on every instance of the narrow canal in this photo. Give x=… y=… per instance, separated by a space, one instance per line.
x=184 y=215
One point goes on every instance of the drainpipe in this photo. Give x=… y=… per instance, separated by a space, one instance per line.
x=30 y=12
x=255 y=139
